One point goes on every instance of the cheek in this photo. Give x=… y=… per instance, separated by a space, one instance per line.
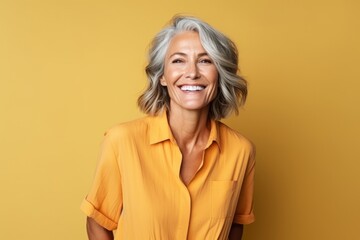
x=216 y=85
x=213 y=75
x=171 y=77
x=215 y=79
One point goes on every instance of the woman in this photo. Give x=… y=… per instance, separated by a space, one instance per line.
x=178 y=173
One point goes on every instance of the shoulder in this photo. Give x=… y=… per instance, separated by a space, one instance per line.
x=128 y=130
x=231 y=137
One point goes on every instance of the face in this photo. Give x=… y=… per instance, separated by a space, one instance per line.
x=190 y=75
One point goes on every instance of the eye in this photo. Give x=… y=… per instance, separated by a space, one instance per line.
x=177 y=60
x=205 y=60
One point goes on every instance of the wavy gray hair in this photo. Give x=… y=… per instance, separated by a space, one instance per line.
x=232 y=87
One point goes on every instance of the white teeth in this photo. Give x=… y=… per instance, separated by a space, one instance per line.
x=192 y=88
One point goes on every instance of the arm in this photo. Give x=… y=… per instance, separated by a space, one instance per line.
x=244 y=210
x=236 y=232
x=97 y=232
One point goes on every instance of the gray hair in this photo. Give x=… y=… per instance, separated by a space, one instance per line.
x=232 y=87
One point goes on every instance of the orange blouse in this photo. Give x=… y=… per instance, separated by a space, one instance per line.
x=138 y=191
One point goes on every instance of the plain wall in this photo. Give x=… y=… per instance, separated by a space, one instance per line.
x=69 y=70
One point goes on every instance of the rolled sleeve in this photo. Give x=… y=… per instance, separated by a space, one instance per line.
x=99 y=217
x=244 y=211
x=104 y=200
x=244 y=219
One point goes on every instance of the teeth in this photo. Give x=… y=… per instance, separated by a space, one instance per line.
x=192 y=88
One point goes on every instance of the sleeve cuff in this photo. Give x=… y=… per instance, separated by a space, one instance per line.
x=100 y=218
x=244 y=219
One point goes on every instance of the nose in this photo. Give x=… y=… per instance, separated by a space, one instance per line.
x=192 y=71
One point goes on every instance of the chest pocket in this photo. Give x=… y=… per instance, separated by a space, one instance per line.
x=222 y=193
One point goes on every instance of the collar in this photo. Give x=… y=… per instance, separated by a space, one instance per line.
x=159 y=130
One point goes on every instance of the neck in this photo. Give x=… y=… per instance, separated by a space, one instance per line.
x=191 y=129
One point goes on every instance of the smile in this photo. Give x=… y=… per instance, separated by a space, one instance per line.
x=192 y=88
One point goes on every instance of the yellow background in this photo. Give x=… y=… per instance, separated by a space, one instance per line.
x=71 y=69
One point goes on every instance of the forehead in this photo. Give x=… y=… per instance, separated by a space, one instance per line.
x=184 y=42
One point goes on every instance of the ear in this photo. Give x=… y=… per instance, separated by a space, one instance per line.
x=163 y=81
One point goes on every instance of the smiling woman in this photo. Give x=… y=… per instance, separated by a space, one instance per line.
x=221 y=50
x=176 y=174
x=190 y=75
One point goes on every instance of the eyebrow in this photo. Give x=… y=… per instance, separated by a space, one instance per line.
x=184 y=54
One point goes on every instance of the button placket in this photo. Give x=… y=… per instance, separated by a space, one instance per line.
x=185 y=198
